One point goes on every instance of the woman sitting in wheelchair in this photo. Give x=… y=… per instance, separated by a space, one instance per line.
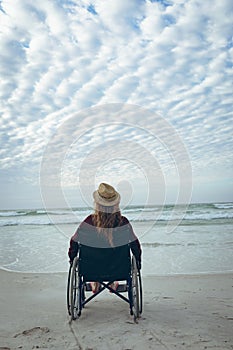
x=105 y=228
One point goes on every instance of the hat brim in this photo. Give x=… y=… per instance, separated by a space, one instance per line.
x=106 y=203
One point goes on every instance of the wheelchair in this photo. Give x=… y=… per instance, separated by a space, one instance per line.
x=104 y=265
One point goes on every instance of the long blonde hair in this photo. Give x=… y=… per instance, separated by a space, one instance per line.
x=105 y=219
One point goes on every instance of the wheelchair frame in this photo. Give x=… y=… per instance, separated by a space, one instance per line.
x=77 y=288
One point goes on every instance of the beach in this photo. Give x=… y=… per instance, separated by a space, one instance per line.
x=180 y=312
x=187 y=282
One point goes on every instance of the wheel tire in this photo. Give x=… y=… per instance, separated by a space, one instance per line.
x=75 y=291
x=135 y=290
x=140 y=293
x=68 y=302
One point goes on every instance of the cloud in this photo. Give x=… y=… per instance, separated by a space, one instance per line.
x=58 y=58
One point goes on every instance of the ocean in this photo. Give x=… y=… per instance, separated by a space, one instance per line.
x=201 y=241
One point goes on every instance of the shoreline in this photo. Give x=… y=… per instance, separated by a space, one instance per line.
x=180 y=312
x=145 y=275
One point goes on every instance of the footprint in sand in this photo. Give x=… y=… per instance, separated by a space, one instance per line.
x=33 y=331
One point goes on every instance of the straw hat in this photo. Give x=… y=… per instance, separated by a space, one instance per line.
x=106 y=195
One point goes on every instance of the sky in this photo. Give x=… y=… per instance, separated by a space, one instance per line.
x=138 y=94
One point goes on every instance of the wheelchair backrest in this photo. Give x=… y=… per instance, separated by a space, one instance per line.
x=106 y=264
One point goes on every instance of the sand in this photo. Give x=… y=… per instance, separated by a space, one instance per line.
x=180 y=312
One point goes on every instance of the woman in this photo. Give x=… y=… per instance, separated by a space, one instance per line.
x=105 y=228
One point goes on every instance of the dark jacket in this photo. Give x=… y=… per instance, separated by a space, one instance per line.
x=88 y=235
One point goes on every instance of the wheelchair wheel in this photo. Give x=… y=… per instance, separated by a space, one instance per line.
x=75 y=295
x=68 y=291
x=140 y=292
x=136 y=290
